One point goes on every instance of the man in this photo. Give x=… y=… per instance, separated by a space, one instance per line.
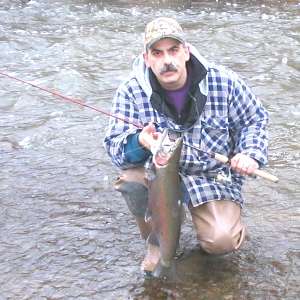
x=172 y=86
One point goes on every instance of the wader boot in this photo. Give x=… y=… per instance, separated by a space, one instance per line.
x=133 y=187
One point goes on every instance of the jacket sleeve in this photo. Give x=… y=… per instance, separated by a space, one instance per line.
x=248 y=122
x=123 y=123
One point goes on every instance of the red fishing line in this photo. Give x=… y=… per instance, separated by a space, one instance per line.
x=76 y=101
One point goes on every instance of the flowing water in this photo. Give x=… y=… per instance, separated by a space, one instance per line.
x=64 y=232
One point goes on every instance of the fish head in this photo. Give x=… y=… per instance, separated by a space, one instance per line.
x=168 y=150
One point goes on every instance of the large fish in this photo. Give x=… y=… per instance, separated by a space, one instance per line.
x=165 y=202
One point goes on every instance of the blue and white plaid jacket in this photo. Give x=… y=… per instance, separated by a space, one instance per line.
x=232 y=121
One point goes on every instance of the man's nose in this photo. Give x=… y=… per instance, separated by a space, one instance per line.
x=167 y=58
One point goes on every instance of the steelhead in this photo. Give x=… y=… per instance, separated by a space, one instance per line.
x=165 y=202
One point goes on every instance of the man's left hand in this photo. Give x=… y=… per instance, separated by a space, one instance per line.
x=243 y=164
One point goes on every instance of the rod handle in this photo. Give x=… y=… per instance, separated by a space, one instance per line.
x=266 y=175
x=224 y=159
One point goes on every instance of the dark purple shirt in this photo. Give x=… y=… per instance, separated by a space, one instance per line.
x=177 y=98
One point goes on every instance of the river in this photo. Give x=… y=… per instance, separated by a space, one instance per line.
x=64 y=232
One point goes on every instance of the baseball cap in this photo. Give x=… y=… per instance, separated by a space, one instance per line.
x=161 y=28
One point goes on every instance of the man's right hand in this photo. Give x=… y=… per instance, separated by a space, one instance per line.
x=148 y=137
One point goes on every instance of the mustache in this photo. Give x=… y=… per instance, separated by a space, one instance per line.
x=168 y=68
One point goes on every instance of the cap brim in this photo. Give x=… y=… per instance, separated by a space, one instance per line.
x=151 y=43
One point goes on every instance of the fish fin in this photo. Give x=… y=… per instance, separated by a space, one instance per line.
x=148 y=215
x=152 y=239
x=183 y=216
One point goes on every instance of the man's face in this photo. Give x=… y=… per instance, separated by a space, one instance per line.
x=167 y=59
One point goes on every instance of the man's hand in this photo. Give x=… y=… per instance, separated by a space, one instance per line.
x=148 y=136
x=243 y=164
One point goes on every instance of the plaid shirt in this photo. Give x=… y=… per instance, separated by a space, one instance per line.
x=232 y=121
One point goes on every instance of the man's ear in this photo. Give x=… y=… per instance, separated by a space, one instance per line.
x=187 y=52
x=145 y=55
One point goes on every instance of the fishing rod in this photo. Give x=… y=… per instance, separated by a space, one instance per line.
x=76 y=101
x=226 y=160
x=219 y=157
